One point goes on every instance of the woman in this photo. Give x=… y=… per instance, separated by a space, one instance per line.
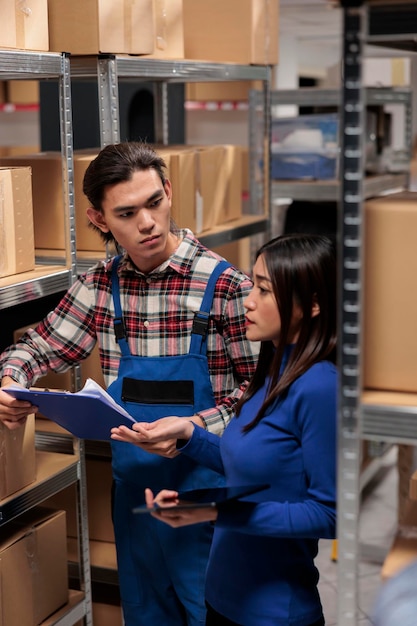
x=261 y=568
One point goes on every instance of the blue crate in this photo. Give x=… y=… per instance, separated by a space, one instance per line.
x=304 y=165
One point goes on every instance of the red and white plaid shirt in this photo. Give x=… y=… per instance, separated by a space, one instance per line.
x=158 y=312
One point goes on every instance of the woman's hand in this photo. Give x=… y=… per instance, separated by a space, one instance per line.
x=13 y=413
x=159 y=437
x=167 y=510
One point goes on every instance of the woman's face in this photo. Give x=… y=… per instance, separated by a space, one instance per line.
x=263 y=321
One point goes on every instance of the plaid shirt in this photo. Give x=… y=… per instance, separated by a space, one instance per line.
x=158 y=311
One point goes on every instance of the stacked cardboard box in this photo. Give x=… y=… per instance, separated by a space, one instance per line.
x=231 y=31
x=16 y=220
x=24 y=25
x=390 y=305
x=84 y=27
x=17 y=458
x=33 y=567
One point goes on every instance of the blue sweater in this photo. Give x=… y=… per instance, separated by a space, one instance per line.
x=261 y=569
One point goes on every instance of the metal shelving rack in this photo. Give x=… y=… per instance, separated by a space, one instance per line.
x=359 y=419
x=329 y=190
x=108 y=70
x=68 y=469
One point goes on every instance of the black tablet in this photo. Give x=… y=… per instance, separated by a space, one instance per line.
x=208 y=497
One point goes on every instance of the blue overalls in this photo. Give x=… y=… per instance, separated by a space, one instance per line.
x=161 y=569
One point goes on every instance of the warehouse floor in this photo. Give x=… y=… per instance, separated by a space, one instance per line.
x=377 y=527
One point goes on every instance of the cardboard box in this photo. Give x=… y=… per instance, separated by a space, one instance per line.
x=221 y=91
x=168 y=29
x=48 y=200
x=6 y=151
x=402 y=553
x=16 y=221
x=17 y=458
x=219 y=185
x=231 y=31
x=206 y=184
x=33 y=568
x=180 y=162
x=390 y=302
x=99 y=485
x=23 y=91
x=94 y=26
x=24 y=25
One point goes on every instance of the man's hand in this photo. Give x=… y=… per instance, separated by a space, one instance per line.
x=13 y=413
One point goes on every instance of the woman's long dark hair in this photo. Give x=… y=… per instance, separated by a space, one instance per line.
x=302 y=269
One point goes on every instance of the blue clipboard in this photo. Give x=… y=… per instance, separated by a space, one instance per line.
x=87 y=414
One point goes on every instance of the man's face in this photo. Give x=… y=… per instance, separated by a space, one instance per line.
x=137 y=213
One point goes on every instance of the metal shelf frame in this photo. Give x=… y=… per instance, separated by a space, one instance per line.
x=108 y=70
x=26 y=65
x=357 y=420
x=329 y=190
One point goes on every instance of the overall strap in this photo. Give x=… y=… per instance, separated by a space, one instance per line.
x=201 y=317
x=118 y=324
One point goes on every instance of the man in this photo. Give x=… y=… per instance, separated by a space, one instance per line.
x=171 y=342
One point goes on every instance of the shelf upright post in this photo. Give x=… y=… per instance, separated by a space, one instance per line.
x=79 y=445
x=161 y=113
x=108 y=99
x=349 y=309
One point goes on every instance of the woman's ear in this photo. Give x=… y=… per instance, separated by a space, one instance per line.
x=315 y=309
x=97 y=218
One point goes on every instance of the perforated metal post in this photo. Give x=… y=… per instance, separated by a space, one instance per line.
x=350 y=244
x=79 y=445
x=108 y=100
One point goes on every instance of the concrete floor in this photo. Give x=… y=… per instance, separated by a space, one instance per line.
x=377 y=528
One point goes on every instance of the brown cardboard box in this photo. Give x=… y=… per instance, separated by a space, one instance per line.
x=168 y=30
x=390 y=301
x=6 y=151
x=24 y=25
x=402 y=553
x=16 y=221
x=219 y=185
x=86 y=237
x=23 y=91
x=33 y=568
x=231 y=31
x=180 y=162
x=48 y=202
x=238 y=253
x=17 y=458
x=105 y=615
x=99 y=484
x=221 y=91
x=93 y=26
